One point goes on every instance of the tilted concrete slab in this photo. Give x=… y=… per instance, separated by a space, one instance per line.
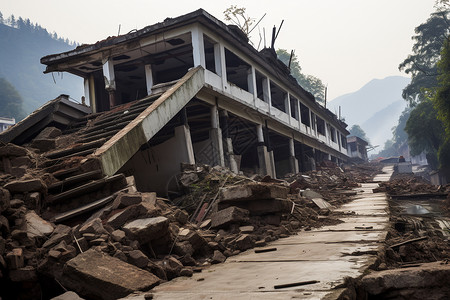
x=122 y=146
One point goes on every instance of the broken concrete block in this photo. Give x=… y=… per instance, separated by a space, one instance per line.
x=186 y=272
x=198 y=243
x=141 y=210
x=244 y=242
x=2 y=246
x=145 y=230
x=4 y=225
x=246 y=229
x=61 y=233
x=228 y=216
x=183 y=248
x=181 y=216
x=19 y=171
x=149 y=198
x=36 y=226
x=93 y=226
x=26 y=186
x=15 y=259
x=118 y=235
x=33 y=201
x=125 y=199
x=310 y=194
x=218 y=257
x=5 y=198
x=48 y=133
x=21 y=161
x=262 y=207
x=44 y=144
x=253 y=191
x=68 y=296
x=97 y=275
x=172 y=267
x=137 y=258
x=12 y=150
x=27 y=273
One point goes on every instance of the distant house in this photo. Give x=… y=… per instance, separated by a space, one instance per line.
x=5 y=123
x=357 y=147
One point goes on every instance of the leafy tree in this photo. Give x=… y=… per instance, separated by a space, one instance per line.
x=310 y=83
x=1 y=18
x=425 y=131
x=421 y=65
x=356 y=130
x=10 y=101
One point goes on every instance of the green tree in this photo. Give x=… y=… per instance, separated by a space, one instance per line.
x=310 y=83
x=356 y=130
x=425 y=132
x=10 y=101
x=421 y=65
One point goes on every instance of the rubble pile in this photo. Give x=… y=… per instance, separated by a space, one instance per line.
x=51 y=240
x=412 y=185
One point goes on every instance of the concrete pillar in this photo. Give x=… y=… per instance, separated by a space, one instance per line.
x=198 y=47
x=265 y=157
x=149 y=78
x=110 y=82
x=287 y=105
x=183 y=136
x=228 y=143
x=92 y=99
x=215 y=135
x=251 y=81
x=293 y=162
x=266 y=91
x=87 y=90
x=218 y=59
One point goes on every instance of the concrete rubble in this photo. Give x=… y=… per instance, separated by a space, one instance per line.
x=141 y=233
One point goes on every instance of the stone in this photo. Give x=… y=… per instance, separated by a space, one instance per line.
x=148 y=229
x=2 y=246
x=12 y=150
x=19 y=172
x=183 y=248
x=97 y=275
x=186 y=272
x=244 y=242
x=36 y=226
x=120 y=255
x=137 y=258
x=44 y=144
x=253 y=191
x=172 y=267
x=48 y=133
x=4 y=225
x=262 y=206
x=143 y=209
x=246 y=229
x=181 y=216
x=427 y=281
x=218 y=257
x=198 y=243
x=16 y=203
x=93 y=226
x=310 y=194
x=205 y=224
x=125 y=199
x=21 y=161
x=68 y=296
x=33 y=201
x=61 y=233
x=229 y=216
x=27 y=273
x=26 y=186
x=15 y=259
x=118 y=235
x=5 y=198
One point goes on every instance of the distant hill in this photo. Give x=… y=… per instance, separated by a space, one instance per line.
x=375 y=107
x=22 y=46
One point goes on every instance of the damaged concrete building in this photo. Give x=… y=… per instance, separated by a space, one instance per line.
x=187 y=90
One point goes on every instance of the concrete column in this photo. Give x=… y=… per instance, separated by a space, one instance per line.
x=228 y=143
x=87 y=90
x=215 y=135
x=149 y=78
x=183 y=137
x=293 y=162
x=92 y=99
x=251 y=81
x=110 y=82
x=265 y=157
x=218 y=59
x=198 y=47
x=287 y=106
x=266 y=91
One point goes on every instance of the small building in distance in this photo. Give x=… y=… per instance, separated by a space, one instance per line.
x=357 y=147
x=5 y=123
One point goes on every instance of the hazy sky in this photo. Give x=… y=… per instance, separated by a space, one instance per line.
x=345 y=43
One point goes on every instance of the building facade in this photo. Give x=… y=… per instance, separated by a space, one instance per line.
x=212 y=98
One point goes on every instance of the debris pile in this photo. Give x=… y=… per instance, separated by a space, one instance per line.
x=409 y=185
x=54 y=237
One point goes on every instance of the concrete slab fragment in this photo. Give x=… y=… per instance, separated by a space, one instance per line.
x=96 y=275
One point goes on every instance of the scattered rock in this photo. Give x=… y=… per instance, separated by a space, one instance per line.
x=218 y=257
x=229 y=216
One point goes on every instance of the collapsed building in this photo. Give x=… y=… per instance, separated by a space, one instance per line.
x=188 y=90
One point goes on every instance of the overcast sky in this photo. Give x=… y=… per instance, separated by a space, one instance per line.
x=346 y=43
